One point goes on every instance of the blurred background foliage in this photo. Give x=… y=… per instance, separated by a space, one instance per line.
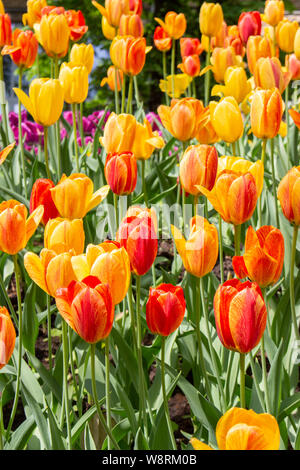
x=149 y=79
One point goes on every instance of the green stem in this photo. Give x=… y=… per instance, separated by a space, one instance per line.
x=207 y=76
x=20 y=135
x=8 y=301
x=20 y=348
x=3 y=105
x=57 y=128
x=163 y=386
x=173 y=66
x=75 y=137
x=65 y=382
x=107 y=390
x=132 y=317
x=73 y=368
x=265 y=375
x=164 y=55
x=194 y=88
x=46 y=153
x=237 y=239
x=211 y=348
x=263 y=156
x=49 y=332
x=1 y=425
x=117 y=105
x=123 y=95
x=255 y=380
x=95 y=396
x=136 y=91
x=144 y=183
x=292 y=280
x=129 y=99
x=221 y=250
x=242 y=381
x=116 y=206
x=274 y=184
x=195 y=205
x=233 y=146
x=81 y=126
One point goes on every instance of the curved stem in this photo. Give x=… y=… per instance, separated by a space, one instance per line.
x=292 y=280
x=207 y=76
x=107 y=391
x=163 y=386
x=8 y=301
x=65 y=381
x=136 y=91
x=265 y=374
x=129 y=99
x=46 y=153
x=242 y=381
x=75 y=136
x=20 y=134
x=221 y=250
x=95 y=396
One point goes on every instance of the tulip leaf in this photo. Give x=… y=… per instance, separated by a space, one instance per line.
x=45 y=375
x=56 y=435
x=21 y=435
x=89 y=443
x=274 y=380
x=39 y=417
x=30 y=321
x=288 y=405
x=140 y=442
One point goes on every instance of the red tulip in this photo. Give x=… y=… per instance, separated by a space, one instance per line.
x=41 y=196
x=249 y=24
x=121 y=172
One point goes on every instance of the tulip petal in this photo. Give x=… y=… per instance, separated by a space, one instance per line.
x=36 y=270
x=33 y=221
x=198 y=445
x=25 y=100
x=98 y=197
x=239 y=267
x=5 y=152
x=244 y=437
x=80 y=266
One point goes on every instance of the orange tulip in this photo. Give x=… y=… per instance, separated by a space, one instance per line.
x=182 y=119
x=191 y=65
x=113 y=10
x=87 y=307
x=121 y=172
x=41 y=196
x=200 y=252
x=268 y=74
x=288 y=194
x=263 y=258
x=274 y=12
x=7 y=337
x=64 y=235
x=5 y=30
x=24 y=48
x=109 y=263
x=190 y=46
x=110 y=80
x=210 y=19
x=198 y=166
x=128 y=54
x=241 y=429
x=73 y=196
x=293 y=66
x=243 y=166
x=174 y=24
x=257 y=47
x=222 y=58
x=234 y=196
x=295 y=116
x=76 y=23
x=220 y=39
x=15 y=228
x=266 y=113
x=49 y=270
x=161 y=40
x=34 y=12
x=139 y=211
x=234 y=40
x=240 y=315
x=131 y=25
x=206 y=133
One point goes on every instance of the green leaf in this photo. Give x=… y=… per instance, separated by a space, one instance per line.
x=89 y=443
x=140 y=442
x=30 y=321
x=47 y=378
x=55 y=432
x=21 y=435
x=39 y=417
x=288 y=406
x=274 y=380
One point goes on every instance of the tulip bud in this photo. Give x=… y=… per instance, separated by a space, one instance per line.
x=274 y=12
x=5 y=30
x=210 y=18
x=128 y=54
x=266 y=113
x=74 y=80
x=249 y=24
x=82 y=54
x=191 y=65
x=200 y=252
x=41 y=196
x=174 y=25
x=113 y=10
x=240 y=315
x=221 y=59
x=121 y=172
x=236 y=84
x=111 y=78
x=7 y=337
x=54 y=34
x=24 y=49
x=285 y=35
x=190 y=46
x=34 y=12
x=288 y=194
x=138 y=236
x=198 y=166
x=161 y=40
x=64 y=235
x=263 y=259
x=131 y=25
x=165 y=309
x=257 y=47
x=226 y=119
x=220 y=39
x=234 y=40
x=76 y=23
x=15 y=228
x=87 y=307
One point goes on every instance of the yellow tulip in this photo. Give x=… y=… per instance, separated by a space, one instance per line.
x=285 y=35
x=53 y=33
x=33 y=15
x=74 y=80
x=45 y=101
x=63 y=235
x=181 y=82
x=274 y=12
x=82 y=54
x=109 y=32
x=297 y=44
x=236 y=84
x=222 y=58
x=227 y=119
x=146 y=141
x=113 y=10
x=211 y=19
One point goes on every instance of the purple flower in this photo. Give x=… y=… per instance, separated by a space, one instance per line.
x=152 y=118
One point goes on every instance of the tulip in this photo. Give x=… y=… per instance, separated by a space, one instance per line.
x=241 y=429
x=240 y=315
x=263 y=259
x=41 y=196
x=138 y=236
x=181 y=82
x=220 y=39
x=111 y=78
x=234 y=196
x=266 y=113
x=293 y=66
x=249 y=24
x=63 y=235
x=73 y=196
x=82 y=54
x=76 y=23
x=113 y=10
x=161 y=40
x=109 y=32
x=257 y=47
x=234 y=40
x=74 y=80
x=274 y=12
x=24 y=48
x=138 y=211
x=200 y=252
x=190 y=46
x=128 y=54
x=109 y=263
x=226 y=119
x=288 y=194
x=53 y=34
x=206 y=133
x=5 y=30
x=146 y=141
x=295 y=116
x=15 y=228
x=198 y=166
x=2 y=11
x=182 y=118
x=297 y=44
x=34 y=12
x=7 y=337
x=241 y=165
x=121 y=172
x=174 y=24
x=49 y=270
x=191 y=65
x=236 y=84
x=221 y=59
x=136 y=7
x=285 y=35
x=165 y=309
x=45 y=101
x=210 y=18
x=131 y=25
x=87 y=307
